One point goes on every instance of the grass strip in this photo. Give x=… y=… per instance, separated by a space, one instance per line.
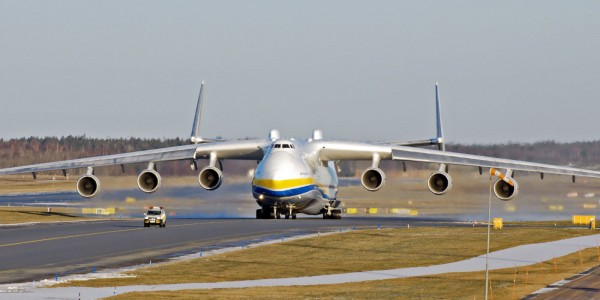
x=25 y=214
x=361 y=250
x=512 y=283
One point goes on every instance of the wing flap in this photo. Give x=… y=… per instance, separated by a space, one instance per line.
x=340 y=150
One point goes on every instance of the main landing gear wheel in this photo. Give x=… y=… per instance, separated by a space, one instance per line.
x=267 y=213
x=335 y=214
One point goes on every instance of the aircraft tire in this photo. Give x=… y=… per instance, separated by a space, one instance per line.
x=336 y=214
x=267 y=212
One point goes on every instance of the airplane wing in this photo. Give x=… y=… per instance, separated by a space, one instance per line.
x=337 y=150
x=243 y=149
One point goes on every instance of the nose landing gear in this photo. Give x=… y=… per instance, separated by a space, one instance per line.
x=272 y=212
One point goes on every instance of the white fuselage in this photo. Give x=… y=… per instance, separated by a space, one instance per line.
x=291 y=177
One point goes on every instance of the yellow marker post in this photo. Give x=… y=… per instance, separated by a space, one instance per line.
x=498 y=223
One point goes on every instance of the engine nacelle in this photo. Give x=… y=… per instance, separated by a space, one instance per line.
x=210 y=178
x=88 y=185
x=505 y=191
x=149 y=181
x=439 y=183
x=372 y=179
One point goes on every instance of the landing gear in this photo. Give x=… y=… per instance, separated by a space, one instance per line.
x=272 y=212
x=333 y=214
x=268 y=213
x=276 y=213
x=290 y=212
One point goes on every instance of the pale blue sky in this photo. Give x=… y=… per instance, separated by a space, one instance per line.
x=365 y=70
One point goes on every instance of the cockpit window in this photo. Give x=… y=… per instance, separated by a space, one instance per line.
x=286 y=146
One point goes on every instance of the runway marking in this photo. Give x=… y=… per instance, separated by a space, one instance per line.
x=96 y=233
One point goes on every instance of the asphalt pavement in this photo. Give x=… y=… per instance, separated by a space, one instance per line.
x=43 y=251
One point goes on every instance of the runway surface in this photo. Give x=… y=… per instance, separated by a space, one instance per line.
x=583 y=287
x=43 y=251
x=507 y=258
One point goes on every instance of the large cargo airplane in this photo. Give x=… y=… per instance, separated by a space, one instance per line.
x=299 y=175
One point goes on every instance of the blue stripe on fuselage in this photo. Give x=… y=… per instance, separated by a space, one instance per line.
x=288 y=192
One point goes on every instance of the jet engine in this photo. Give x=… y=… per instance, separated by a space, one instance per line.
x=149 y=181
x=505 y=191
x=210 y=178
x=88 y=185
x=439 y=183
x=373 y=179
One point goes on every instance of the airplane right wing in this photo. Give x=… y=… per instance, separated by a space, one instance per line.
x=250 y=149
x=149 y=180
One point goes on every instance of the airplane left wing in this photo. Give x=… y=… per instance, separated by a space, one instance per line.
x=334 y=150
x=435 y=156
x=439 y=182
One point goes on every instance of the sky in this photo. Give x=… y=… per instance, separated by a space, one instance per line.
x=520 y=71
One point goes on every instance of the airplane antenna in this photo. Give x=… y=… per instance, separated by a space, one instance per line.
x=438 y=115
x=195 y=136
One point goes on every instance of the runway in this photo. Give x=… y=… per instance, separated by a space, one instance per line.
x=506 y=258
x=36 y=252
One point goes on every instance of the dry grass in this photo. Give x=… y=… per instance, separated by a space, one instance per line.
x=506 y=284
x=15 y=184
x=341 y=253
x=14 y=215
x=46 y=183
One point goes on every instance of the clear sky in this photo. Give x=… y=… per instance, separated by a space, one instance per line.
x=364 y=70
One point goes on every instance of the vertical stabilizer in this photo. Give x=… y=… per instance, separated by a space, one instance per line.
x=438 y=117
x=195 y=136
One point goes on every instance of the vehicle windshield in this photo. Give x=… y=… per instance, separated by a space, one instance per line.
x=153 y=213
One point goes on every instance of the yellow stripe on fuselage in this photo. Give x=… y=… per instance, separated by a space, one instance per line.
x=282 y=184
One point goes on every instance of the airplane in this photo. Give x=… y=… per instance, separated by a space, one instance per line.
x=300 y=175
